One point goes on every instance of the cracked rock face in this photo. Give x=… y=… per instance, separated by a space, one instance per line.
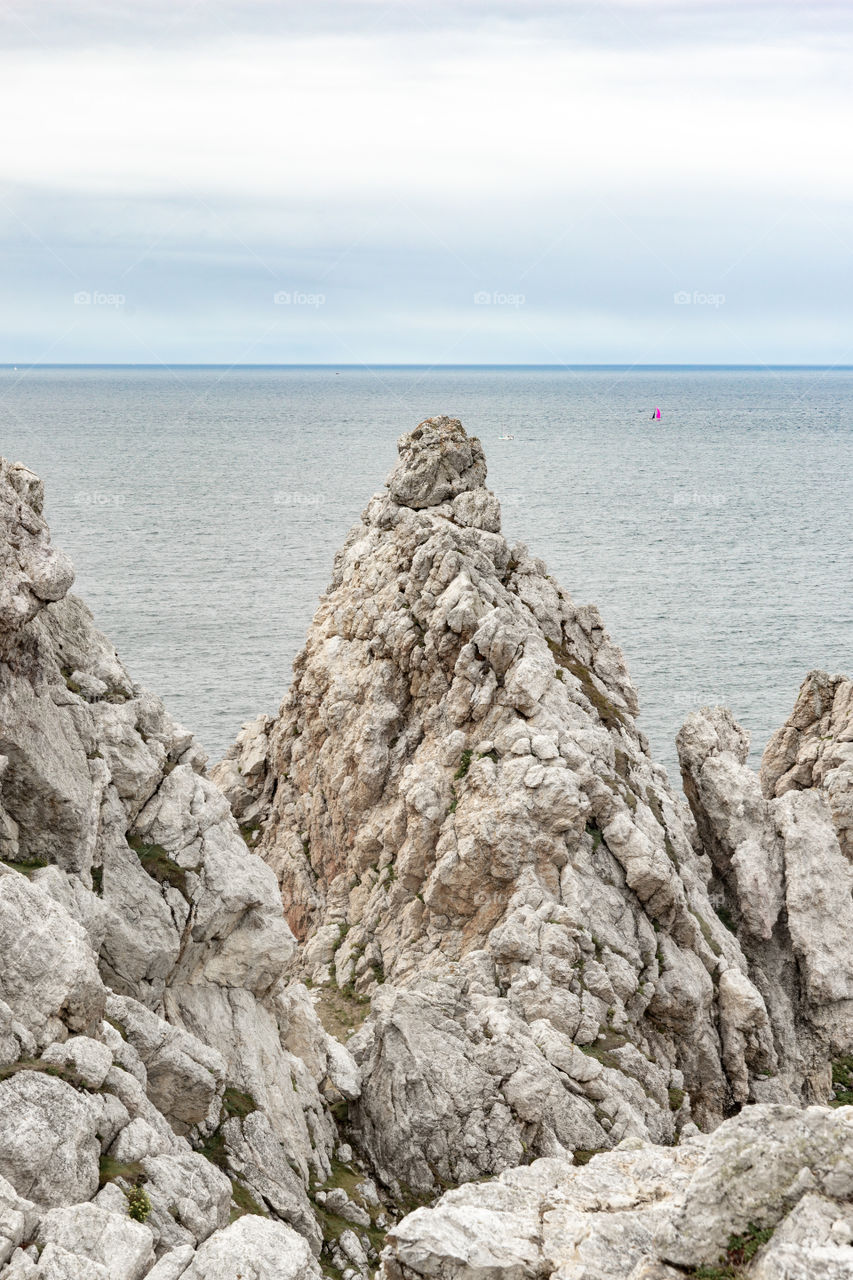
x=775 y=1179
x=148 y=1037
x=530 y=950
x=814 y=749
x=783 y=880
x=469 y=832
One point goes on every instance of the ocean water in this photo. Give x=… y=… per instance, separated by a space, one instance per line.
x=203 y=507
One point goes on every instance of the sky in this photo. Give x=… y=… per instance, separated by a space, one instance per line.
x=523 y=181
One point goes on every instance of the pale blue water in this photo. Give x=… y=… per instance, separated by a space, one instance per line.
x=203 y=507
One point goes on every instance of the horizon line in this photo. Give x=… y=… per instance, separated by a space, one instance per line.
x=205 y=364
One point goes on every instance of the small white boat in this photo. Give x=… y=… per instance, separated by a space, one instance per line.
x=506 y=437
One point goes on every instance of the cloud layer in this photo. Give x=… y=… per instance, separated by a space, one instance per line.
x=542 y=183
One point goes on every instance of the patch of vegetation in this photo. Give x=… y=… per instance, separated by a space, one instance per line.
x=98 y=881
x=60 y=1070
x=156 y=861
x=26 y=867
x=738 y=1255
x=465 y=763
x=842 y=1079
x=345 y=1177
x=244 y=1202
x=676 y=1098
x=340 y=1010
x=236 y=1103
x=138 y=1204
x=602 y=1050
x=70 y=684
x=609 y=714
x=454 y=800
x=727 y=919
x=489 y=755
x=583 y=1156
x=594 y=830
x=654 y=802
x=706 y=933
x=119 y=1026
x=109 y=1170
x=251 y=834
x=331 y=1271
x=333 y=1227
x=213 y=1149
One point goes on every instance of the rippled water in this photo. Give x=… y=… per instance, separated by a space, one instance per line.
x=203 y=508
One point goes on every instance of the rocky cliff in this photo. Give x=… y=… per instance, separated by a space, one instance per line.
x=514 y=962
x=470 y=834
x=165 y=1101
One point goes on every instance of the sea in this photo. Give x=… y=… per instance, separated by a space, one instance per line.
x=203 y=507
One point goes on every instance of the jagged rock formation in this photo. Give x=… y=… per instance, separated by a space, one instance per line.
x=781 y=874
x=814 y=748
x=157 y=1078
x=768 y=1193
x=469 y=832
x=533 y=948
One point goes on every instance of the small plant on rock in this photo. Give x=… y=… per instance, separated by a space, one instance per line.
x=138 y=1204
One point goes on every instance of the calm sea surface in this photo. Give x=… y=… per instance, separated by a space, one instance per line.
x=203 y=507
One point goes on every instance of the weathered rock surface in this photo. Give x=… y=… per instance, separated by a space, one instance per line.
x=469 y=832
x=780 y=1171
x=149 y=1048
x=814 y=748
x=784 y=883
x=531 y=946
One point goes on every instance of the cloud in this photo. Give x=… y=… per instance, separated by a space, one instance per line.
x=400 y=168
x=619 y=23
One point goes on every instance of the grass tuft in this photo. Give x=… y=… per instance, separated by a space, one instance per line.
x=25 y=867
x=156 y=861
x=465 y=765
x=738 y=1255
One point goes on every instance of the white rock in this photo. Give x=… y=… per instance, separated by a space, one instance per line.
x=274 y=1251
x=123 y=1247
x=49 y=1149
x=18 y=1218
x=88 y=1058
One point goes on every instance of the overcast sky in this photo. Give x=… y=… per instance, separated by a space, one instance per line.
x=531 y=182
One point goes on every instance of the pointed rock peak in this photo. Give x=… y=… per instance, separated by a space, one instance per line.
x=438 y=461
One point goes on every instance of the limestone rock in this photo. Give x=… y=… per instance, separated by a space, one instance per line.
x=88 y=1059
x=786 y=886
x=143 y=948
x=634 y=1211
x=470 y=833
x=814 y=748
x=48 y=978
x=274 y=1252
x=49 y=1148
x=184 y=1076
x=123 y=1247
x=18 y=1218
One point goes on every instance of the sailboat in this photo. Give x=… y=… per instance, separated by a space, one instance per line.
x=656 y=413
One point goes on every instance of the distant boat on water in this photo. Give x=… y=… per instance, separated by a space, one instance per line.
x=505 y=436
x=656 y=413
